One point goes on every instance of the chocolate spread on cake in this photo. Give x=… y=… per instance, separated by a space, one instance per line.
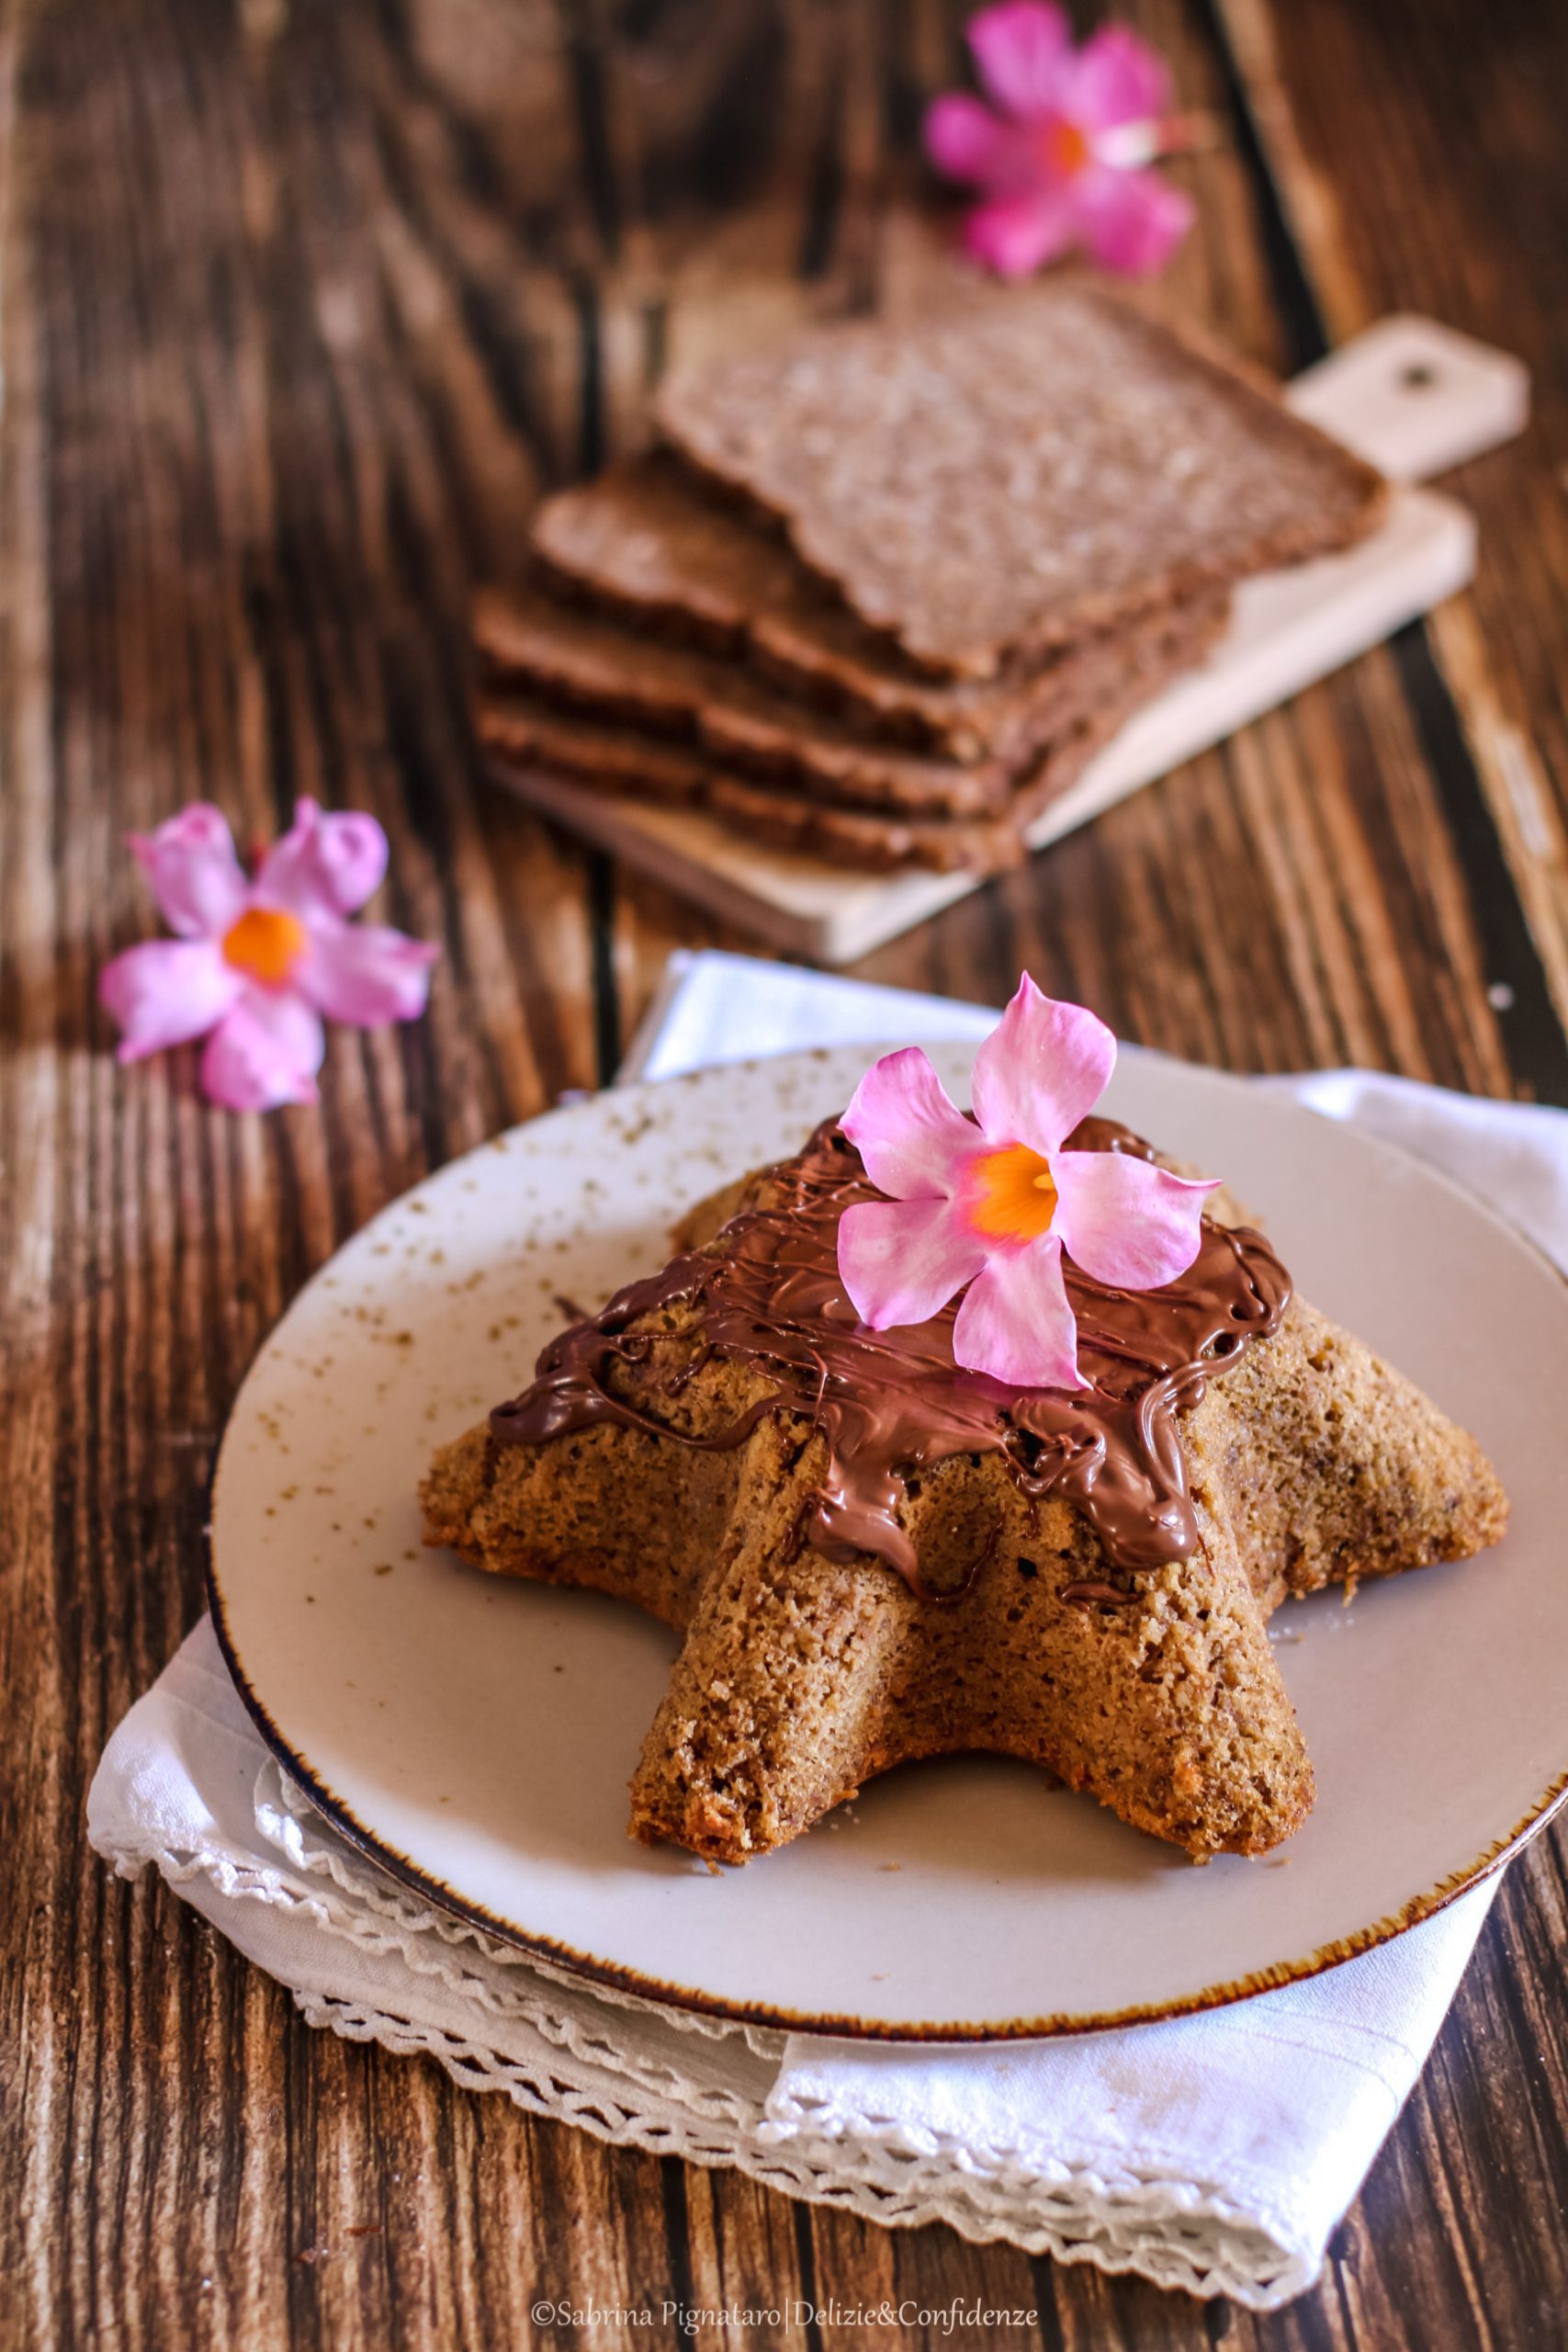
x=893 y=1403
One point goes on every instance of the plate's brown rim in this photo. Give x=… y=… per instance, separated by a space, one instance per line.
x=619 y=1979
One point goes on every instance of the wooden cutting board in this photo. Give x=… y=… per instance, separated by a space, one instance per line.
x=1412 y=397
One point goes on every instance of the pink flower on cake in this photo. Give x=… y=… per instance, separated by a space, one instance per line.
x=256 y=963
x=1063 y=159
x=994 y=1202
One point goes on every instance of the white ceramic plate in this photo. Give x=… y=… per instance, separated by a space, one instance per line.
x=476 y=1735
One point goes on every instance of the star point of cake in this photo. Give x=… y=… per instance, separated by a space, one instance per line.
x=875 y=1551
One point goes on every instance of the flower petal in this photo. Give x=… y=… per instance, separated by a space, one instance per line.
x=1118 y=78
x=1018 y=233
x=901 y=1261
x=367 y=974
x=1123 y=1221
x=964 y=140
x=914 y=1142
x=166 y=991
x=267 y=1052
x=196 y=876
x=325 y=865
x=1041 y=1070
x=1130 y=221
x=1015 y=1324
x=1022 y=51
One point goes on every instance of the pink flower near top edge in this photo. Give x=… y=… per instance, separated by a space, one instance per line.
x=1062 y=153
x=989 y=1205
x=256 y=963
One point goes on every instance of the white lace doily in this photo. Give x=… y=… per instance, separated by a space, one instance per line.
x=375 y=1964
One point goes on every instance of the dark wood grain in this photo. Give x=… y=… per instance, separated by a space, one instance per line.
x=299 y=308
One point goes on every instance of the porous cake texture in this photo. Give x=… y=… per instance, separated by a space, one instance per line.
x=873 y=1556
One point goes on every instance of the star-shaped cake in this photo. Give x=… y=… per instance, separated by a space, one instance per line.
x=873 y=1554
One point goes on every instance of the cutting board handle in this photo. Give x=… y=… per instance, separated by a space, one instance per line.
x=1414 y=398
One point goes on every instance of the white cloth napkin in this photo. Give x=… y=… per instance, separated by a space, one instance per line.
x=1216 y=2154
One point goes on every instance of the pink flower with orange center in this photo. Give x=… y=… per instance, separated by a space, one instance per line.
x=258 y=962
x=989 y=1205
x=1061 y=153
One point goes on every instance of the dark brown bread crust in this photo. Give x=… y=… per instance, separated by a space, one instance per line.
x=566 y=657
x=1014 y=473
x=800 y=1677
x=642 y=546
x=522 y=731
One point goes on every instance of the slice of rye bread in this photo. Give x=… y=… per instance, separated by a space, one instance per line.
x=643 y=544
x=566 y=657
x=577 y=662
x=1018 y=471
x=520 y=731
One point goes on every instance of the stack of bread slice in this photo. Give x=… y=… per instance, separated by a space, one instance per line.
x=878 y=594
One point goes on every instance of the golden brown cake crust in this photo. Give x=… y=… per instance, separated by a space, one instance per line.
x=800 y=1678
x=801 y=1675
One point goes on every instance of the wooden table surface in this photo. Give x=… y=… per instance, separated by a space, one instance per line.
x=301 y=306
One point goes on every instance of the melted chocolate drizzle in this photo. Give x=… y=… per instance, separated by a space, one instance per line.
x=891 y=1404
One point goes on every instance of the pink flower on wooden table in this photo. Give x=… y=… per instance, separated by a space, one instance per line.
x=256 y=962
x=1062 y=153
x=990 y=1205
